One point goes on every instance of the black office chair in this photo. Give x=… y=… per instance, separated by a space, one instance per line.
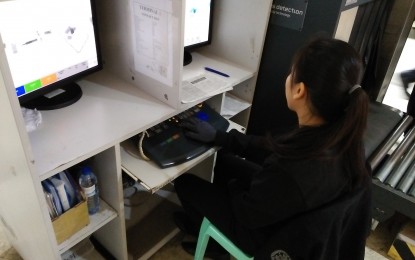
x=337 y=230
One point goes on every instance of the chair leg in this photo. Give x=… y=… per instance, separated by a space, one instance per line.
x=202 y=240
x=208 y=230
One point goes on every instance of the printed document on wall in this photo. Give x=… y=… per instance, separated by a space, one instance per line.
x=153 y=28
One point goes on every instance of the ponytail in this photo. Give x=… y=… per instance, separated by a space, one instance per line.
x=351 y=129
x=331 y=70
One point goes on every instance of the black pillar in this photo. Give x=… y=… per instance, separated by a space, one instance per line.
x=269 y=110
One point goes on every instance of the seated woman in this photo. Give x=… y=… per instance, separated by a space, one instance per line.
x=320 y=160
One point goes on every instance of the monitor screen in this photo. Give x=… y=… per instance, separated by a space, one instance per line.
x=197 y=24
x=49 y=44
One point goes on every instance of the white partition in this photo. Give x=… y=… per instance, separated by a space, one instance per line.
x=145 y=51
x=238 y=35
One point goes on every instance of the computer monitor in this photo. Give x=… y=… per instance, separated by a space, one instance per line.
x=49 y=45
x=198 y=26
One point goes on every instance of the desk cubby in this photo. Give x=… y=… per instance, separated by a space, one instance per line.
x=117 y=104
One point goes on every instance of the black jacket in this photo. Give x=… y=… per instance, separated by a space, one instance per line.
x=284 y=192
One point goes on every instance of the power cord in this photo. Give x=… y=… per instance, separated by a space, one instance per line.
x=140 y=146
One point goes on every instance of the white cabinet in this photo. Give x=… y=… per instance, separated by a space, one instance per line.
x=117 y=104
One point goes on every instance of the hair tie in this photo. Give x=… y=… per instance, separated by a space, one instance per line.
x=354 y=88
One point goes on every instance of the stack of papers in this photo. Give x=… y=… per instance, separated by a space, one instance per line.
x=203 y=86
x=233 y=105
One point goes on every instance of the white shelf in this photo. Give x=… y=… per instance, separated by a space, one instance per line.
x=237 y=74
x=103 y=117
x=233 y=125
x=96 y=221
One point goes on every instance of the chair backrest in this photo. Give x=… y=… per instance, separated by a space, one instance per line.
x=337 y=230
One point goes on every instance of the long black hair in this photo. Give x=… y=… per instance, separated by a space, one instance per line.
x=331 y=70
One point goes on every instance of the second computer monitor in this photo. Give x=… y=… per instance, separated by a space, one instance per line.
x=198 y=26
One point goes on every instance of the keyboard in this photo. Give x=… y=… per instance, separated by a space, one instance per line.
x=167 y=144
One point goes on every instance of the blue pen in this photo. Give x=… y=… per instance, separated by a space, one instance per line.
x=217 y=72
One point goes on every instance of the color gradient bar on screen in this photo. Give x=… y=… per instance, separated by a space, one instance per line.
x=20 y=91
x=48 y=79
x=33 y=85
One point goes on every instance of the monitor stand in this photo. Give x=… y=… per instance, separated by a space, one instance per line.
x=187 y=58
x=58 y=98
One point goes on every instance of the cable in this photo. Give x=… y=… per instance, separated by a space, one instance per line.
x=140 y=146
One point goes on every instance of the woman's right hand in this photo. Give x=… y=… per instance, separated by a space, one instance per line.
x=199 y=130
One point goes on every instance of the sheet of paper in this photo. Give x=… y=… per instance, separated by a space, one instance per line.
x=153 y=29
x=203 y=86
x=233 y=105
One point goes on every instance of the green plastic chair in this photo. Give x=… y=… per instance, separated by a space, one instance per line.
x=208 y=230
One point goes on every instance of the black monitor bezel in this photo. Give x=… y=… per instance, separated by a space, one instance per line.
x=209 y=40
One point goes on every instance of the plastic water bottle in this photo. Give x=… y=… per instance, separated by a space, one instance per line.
x=89 y=184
